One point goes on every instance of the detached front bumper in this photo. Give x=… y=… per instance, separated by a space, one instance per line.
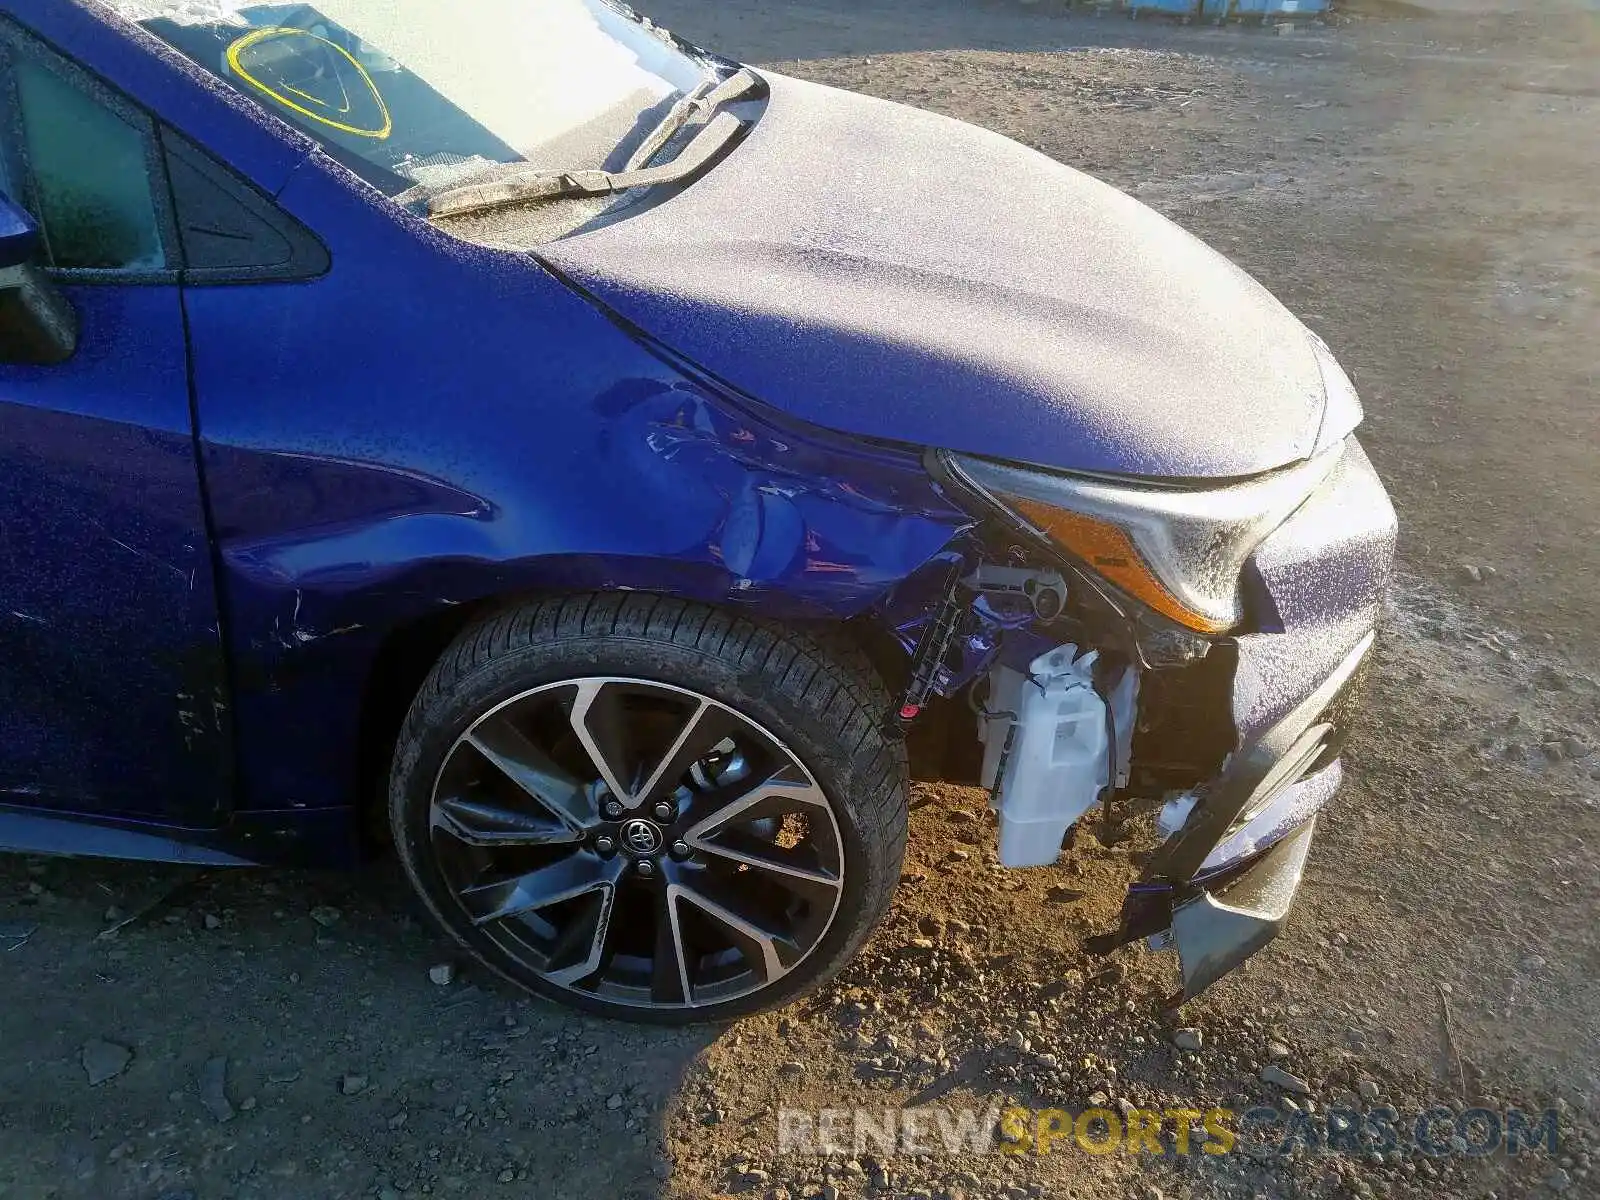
x=1225 y=882
x=1222 y=916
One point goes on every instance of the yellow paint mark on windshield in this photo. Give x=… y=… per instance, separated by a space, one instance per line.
x=248 y=62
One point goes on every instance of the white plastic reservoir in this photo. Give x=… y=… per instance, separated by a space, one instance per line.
x=1060 y=754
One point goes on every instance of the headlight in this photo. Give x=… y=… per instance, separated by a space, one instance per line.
x=1178 y=549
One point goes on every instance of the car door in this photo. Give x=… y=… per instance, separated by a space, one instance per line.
x=112 y=686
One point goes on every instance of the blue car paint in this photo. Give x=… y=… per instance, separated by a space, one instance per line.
x=434 y=425
x=494 y=436
x=466 y=465
x=113 y=688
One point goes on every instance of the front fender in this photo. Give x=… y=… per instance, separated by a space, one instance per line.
x=433 y=426
x=695 y=496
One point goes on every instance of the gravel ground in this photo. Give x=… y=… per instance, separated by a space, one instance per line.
x=1421 y=191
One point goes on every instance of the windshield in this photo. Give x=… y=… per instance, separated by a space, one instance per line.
x=432 y=93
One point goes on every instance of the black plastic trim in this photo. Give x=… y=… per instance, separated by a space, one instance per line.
x=283 y=249
x=1216 y=931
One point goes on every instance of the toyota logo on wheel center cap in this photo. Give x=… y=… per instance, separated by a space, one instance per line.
x=641 y=836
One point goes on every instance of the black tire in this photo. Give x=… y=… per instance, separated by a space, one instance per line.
x=825 y=703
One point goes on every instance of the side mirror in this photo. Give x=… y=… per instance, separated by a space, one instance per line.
x=37 y=325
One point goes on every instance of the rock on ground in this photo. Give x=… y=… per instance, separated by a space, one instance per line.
x=104 y=1061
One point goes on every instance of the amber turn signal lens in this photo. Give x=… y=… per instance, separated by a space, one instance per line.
x=1113 y=555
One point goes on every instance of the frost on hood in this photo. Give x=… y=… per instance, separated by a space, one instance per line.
x=183 y=12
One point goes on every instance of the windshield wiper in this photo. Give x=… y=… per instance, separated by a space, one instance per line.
x=706 y=98
x=694 y=158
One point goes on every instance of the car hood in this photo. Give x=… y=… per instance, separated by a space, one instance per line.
x=886 y=271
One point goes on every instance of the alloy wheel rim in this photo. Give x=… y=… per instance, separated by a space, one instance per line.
x=637 y=842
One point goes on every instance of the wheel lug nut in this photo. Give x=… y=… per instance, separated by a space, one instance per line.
x=604 y=844
x=645 y=867
x=612 y=808
x=680 y=849
x=663 y=811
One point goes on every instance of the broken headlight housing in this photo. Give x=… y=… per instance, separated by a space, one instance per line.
x=1178 y=549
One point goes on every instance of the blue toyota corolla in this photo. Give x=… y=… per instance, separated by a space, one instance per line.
x=608 y=473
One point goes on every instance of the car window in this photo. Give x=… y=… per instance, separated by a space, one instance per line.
x=91 y=175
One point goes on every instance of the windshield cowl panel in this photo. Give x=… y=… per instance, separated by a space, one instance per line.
x=432 y=94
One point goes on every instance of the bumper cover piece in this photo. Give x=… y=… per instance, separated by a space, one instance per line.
x=1220 y=922
x=1217 y=932
x=1283 y=755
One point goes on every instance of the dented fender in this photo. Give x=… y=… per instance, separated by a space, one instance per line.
x=517 y=441
x=734 y=511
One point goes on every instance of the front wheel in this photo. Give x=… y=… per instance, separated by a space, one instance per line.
x=648 y=808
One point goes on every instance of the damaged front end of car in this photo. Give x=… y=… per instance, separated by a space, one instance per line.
x=1124 y=645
